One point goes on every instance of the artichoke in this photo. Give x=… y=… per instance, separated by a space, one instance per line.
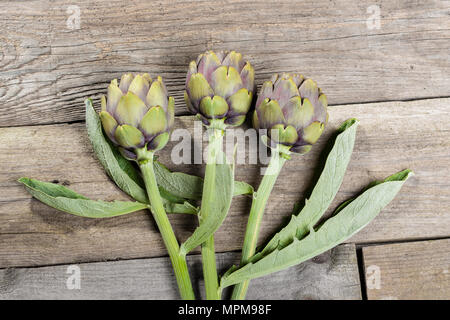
x=137 y=114
x=293 y=110
x=220 y=86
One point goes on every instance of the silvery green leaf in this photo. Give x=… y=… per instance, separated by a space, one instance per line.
x=185 y=208
x=179 y=184
x=395 y=177
x=186 y=186
x=64 y=199
x=324 y=192
x=218 y=206
x=242 y=188
x=348 y=221
x=117 y=167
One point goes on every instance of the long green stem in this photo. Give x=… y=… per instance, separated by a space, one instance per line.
x=164 y=226
x=255 y=217
x=208 y=253
x=210 y=270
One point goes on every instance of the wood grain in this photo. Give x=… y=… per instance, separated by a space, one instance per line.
x=408 y=271
x=391 y=137
x=332 y=275
x=48 y=69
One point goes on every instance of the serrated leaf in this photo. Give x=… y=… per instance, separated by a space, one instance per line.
x=352 y=218
x=395 y=177
x=186 y=186
x=179 y=184
x=242 y=188
x=324 y=191
x=185 y=208
x=64 y=199
x=120 y=170
x=217 y=206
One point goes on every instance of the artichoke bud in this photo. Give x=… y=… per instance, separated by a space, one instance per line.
x=137 y=114
x=293 y=110
x=220 y=86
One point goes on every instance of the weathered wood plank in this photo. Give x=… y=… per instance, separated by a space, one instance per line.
x=405 y=271
x=332 y=275
x=391 y=137
x=49 y=69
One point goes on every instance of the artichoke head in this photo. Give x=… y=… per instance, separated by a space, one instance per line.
x=137 y=114
x=220 y=85
x=293 y=110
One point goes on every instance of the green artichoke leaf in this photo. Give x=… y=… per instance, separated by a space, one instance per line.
x=180 y=185
x=242 y=188
x=119 y=169
x=64 y=199
x=348 y=221
x=218 y=205
x=324 y=191
x=186 y=208
x=185 y=186
x=395 y=177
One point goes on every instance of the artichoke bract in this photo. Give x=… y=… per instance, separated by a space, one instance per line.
x=220 y=85
x=293 y=110
x=137 y=114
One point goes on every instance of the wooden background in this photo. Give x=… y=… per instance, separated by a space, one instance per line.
x=395 y=79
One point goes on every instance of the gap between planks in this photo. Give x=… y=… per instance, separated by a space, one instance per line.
x=186 y=113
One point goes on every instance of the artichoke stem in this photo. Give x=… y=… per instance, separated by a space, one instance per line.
x=165 y=228
x=277 y=161
x=208 y=252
